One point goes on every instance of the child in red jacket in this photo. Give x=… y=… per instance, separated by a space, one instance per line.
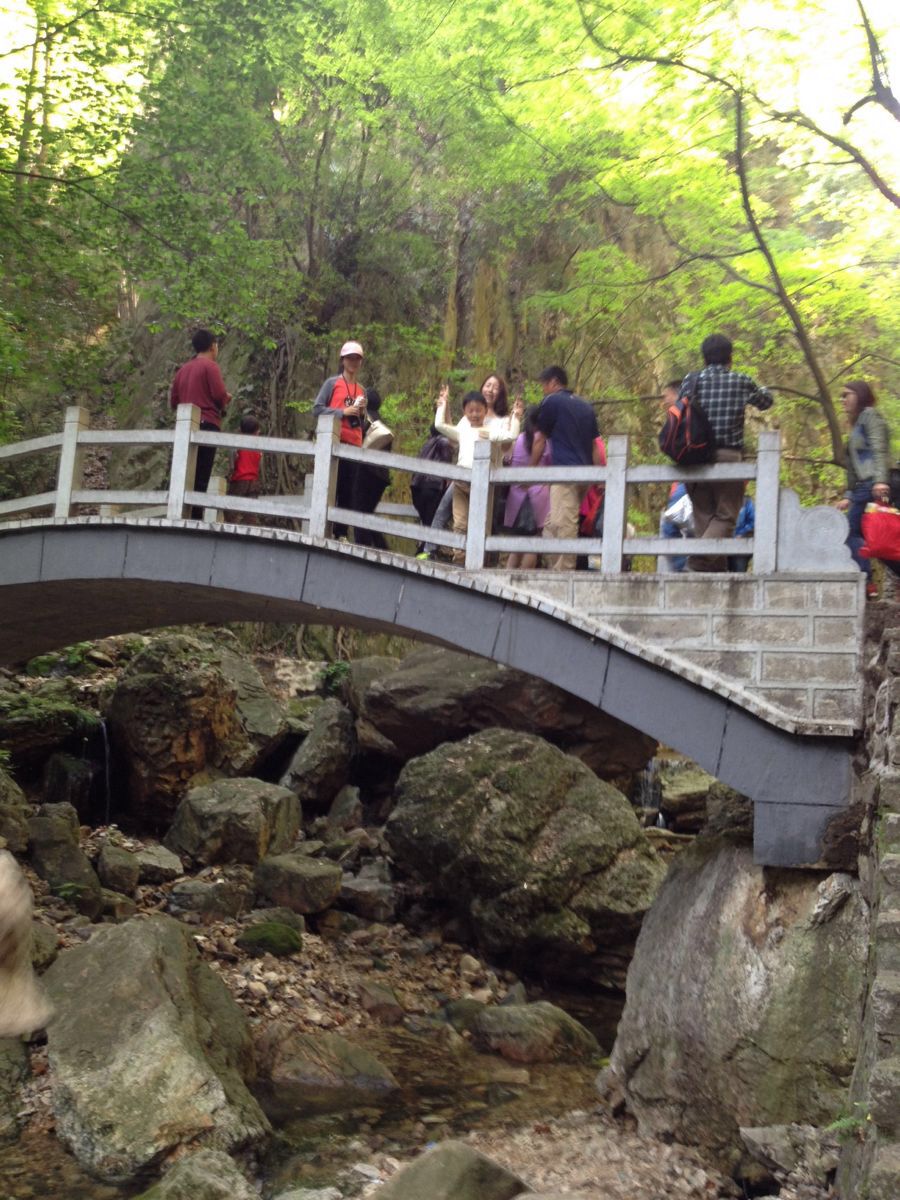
x=244 y=478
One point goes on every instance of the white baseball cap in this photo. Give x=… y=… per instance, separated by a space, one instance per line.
x=351 y=348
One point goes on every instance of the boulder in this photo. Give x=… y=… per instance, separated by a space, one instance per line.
x=270 y=937
x=453 y=1171
x=743 y=1000
x=380 y=1001
x=234 y=820
x=157 y=864
x=116 y=906
x=44 y=946
x=793 y=1148
x=321 y=767
x=727 y=811
x=438 y=695
x=185 y=712
x=118 y=869
x=68 y=780
x=57 y=857
x=538 y=1032
x=14 y=814
x=212 y=899
x=13 y=1073
x=302 y=1073
x=148 y=1050
x=205 y=1175
x=547 y=862
x=684 y=788
x=369 y=897
x=346 y=810
x=297 y=882
x=34 y=724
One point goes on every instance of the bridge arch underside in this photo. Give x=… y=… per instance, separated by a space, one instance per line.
x=62 y=584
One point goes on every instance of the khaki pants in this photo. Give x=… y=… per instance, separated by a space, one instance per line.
x=562 y=522
x=716 y=510
x=460 y=517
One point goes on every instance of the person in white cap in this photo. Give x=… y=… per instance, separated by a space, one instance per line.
x=342 y=391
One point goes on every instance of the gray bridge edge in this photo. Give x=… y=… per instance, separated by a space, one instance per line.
x=68 y=581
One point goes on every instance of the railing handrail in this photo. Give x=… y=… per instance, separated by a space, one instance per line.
x=316 y=506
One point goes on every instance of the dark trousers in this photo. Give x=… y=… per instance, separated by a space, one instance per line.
x=206 y=456
x=859 y=498
x=368 y=488
x=343 y=497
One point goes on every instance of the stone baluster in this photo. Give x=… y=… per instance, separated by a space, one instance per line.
x=479 y=506
x=614 y=504
x=184 y=459
x=328 y=437
x=71 y=460
x=765 y=533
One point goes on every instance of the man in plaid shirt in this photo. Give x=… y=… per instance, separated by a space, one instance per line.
x=723 y=395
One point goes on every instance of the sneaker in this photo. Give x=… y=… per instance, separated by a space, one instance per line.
x=425 y=556
x=871 y=591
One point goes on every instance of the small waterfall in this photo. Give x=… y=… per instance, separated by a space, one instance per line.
x=106 y=771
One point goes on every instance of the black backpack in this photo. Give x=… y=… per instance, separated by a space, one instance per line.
x=687 y=436
x=436 y=449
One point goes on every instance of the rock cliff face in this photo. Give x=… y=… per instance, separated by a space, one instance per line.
x=744 y=999
x=547 y=861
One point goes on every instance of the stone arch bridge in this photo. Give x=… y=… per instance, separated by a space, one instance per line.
x=71 y=579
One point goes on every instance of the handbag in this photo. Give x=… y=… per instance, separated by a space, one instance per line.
x=681 y=513
x=525 y=522
x=881 y=531
x=378 y=436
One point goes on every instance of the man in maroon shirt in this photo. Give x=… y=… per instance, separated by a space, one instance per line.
x=200 y=382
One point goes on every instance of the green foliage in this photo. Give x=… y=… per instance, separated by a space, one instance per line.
x=462 y=188
x=333 y=677
x=851 y=1127
x=71 y=661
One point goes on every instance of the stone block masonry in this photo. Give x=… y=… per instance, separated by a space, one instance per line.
x=791 y=640
x=870 y=1163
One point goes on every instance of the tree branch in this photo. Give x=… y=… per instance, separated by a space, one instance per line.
x=71 y=183
x=804 y=122
x=812 y=362
x=881 y=89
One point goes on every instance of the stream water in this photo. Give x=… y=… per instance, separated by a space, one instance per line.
x=443 y=1091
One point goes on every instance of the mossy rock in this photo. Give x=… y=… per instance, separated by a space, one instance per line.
x=270 y=937
x=34 y=725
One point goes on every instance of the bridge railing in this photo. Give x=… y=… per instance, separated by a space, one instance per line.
x=317 y=511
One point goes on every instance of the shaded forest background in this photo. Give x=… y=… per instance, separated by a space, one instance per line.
x=463 y=188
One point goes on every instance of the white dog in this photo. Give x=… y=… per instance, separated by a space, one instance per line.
x=23 y=1007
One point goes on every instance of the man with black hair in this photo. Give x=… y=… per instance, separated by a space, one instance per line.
x=569 y=424
x=200 y=382
x=724 y=395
